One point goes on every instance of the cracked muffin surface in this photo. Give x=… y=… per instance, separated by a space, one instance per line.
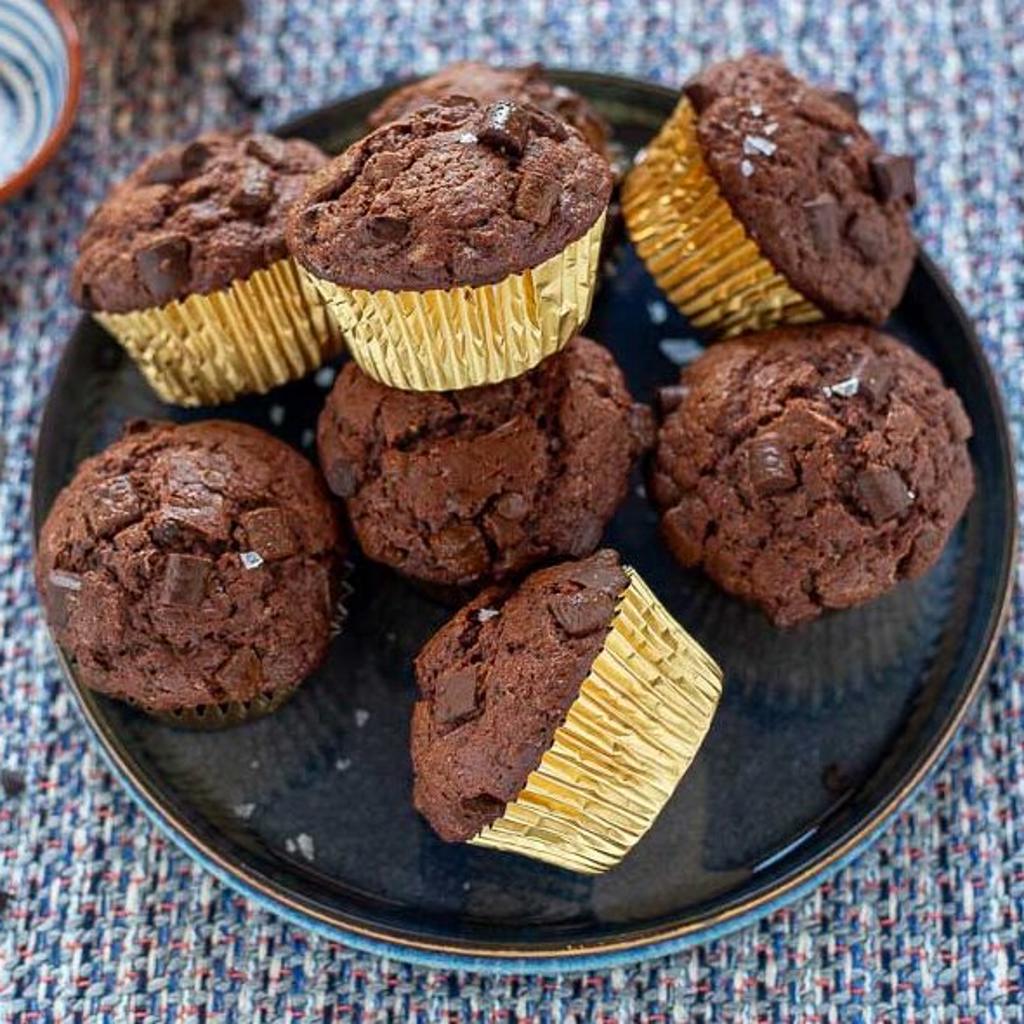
x=458 y=488
x=496 y=682
x=811 y=468
x=191 y=565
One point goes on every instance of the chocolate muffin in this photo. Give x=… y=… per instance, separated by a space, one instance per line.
x=192 y=570
x=811 y=468
x=524 y=692
x=191 y=220
x=462 y=487
x=191 y=227
x=487 y=84
x=458 y=245
x=822 y=211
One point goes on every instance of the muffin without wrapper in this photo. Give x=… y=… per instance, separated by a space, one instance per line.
x=555 y=720
x=463 y=487
x=193 y=570
x=762 y=200
x=185 y=264
x=457 y=246
x=487 y=84
x=811 y=468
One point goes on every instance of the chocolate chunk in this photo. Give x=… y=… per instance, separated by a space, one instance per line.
x=867 y=234
x=670 y=397
x=13 y=782
x=536 y=197
x=185 y=579
x=601 y=572
x=342 y=478
x=267 y=149
x=587 y=536
x=62 y=590
x=700 y=95
x=770 y=466
x=114 y=505
x=582 y=613
x=194 y=156
x=162 y=266
x=882 y=493
x=876 y=379
x=506 y=127
x=455 y=698
x=241 y=677
x=641 y=425
x=893 y=177
x=548 y=125
x=512 y=505
x=388 y=227
x=822 y=214
x=844 y=100
x=165 y=168
x=254 y=192
x=269 y=533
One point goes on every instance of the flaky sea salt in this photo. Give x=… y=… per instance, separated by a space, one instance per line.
x=657 y=311
x=467 y=138
x=251 y=559
x=753 y=144
x=486 y=614
x=746 y=168
x=844 y=389
x=362 y=716
x=244 y=811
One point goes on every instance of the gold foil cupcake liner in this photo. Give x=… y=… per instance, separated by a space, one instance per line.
x=249 y=337
x=632 y=732
x=442 y=340
x=221 y=716
x=694 y=245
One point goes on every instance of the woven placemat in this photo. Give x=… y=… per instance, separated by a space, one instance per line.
x=107 y=922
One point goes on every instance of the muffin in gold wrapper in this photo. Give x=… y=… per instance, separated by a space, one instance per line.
x=556 y=718
x=629 y=737
x=249 y=337
x=693 y=244
x=443 y=340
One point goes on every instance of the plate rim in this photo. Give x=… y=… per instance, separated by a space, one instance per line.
x=609 y=951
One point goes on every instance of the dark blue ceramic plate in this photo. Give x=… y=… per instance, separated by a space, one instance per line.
x=822 y=734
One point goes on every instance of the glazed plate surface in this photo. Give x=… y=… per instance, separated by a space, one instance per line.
x=823 y=731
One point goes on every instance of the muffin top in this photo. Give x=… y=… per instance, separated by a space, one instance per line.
x=455 y=193
x=191 y=565
x=827 y=207
x=457 y=488
x=191 y=220
x=488 y=84
x=811 y=468
x=496 y=682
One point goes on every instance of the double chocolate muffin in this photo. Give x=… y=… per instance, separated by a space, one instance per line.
x=763 y=199
x=185 y=263
x=191 y=220
x=458 y=245
x=556 y=719
x=192 y=570
x=462 y=487
x=811 y=468
x=487 y=84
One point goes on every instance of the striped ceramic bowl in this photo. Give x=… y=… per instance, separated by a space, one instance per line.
x=40 y=65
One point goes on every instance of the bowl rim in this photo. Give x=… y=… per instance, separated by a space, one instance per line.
x=20 y=179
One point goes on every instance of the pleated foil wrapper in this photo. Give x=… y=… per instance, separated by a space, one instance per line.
x=628 y=738
x=693 y=244
x=447 y=339
x=252 y=336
